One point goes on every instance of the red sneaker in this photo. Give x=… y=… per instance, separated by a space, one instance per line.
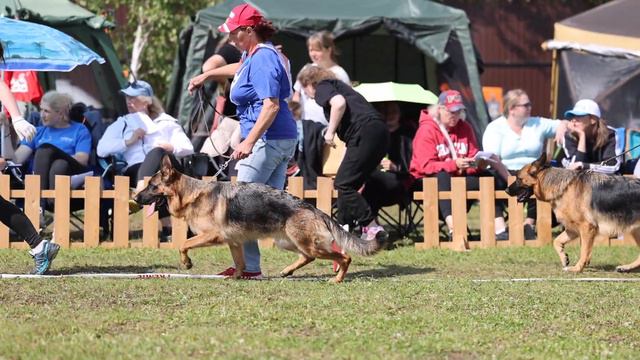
x=246 y=275
x=229 y=272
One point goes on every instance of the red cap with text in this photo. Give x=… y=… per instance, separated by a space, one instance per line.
x=452 y=100
x=241 y=15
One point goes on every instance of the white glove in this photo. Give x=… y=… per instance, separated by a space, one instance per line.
x=24 y=129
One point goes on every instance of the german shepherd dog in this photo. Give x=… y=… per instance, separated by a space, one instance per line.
x=586 y=203
x=228 y=213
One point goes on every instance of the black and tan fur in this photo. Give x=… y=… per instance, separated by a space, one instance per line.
x=230 y=213
x=587 y=203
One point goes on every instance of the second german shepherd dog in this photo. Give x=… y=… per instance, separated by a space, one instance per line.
x=586 y=203
x=230 y=213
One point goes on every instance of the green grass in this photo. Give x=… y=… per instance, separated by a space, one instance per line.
x=398 y=304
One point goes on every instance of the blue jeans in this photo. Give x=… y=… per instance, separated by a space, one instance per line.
x=267 y=164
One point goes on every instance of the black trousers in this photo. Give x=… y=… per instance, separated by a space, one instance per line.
x=473 y=183
x=364 y=152
x=385 y=188
x=16 y=220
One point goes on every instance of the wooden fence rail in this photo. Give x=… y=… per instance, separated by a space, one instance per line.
x=323 y=195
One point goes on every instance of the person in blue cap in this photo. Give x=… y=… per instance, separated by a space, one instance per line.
x=142 y=138
x=589 y=141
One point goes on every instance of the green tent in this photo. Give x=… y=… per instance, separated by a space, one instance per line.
x=405 y=41
x=96 y=84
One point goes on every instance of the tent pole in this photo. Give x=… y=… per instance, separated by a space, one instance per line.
x=553 y=103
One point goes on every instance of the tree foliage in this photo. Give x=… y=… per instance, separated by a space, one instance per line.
x=160 y=20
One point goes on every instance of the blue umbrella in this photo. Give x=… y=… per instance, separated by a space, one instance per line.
x=30 y=46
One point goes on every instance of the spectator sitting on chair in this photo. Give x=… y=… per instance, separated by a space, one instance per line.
x=589 y=141
x=389 y=184
x=60 y=147
x=143 y=137
x=444 y=147
x=518 y=138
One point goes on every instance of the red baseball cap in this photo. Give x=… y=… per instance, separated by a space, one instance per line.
x=452 y=100
x=241 y=15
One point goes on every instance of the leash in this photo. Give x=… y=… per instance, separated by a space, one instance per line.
x=200 y=111
x=604 y=162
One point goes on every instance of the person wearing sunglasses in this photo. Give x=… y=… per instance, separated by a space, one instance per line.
x=518 y=139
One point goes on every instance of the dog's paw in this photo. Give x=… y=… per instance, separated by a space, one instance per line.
x=187 y=264
x=623 y=269
x=573 y=269
x=285 y=274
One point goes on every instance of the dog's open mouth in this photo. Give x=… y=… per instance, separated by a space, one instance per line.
x=525 y=194
x=155 y=205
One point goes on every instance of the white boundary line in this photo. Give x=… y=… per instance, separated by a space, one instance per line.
x=143 y=276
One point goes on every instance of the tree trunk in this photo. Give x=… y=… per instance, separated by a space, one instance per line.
x=140 y=41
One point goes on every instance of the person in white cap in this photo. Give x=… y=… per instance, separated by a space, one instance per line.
x=589 y=141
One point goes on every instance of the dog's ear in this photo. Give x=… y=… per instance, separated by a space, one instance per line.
x=166 y=166
x=541 y=160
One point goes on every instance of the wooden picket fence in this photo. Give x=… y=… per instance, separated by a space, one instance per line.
x=323 y=195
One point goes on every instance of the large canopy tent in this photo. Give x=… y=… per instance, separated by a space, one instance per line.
x=597 y=56
x=405 y=41
x=96 y=84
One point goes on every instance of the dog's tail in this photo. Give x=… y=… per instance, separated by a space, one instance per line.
x=352 y=244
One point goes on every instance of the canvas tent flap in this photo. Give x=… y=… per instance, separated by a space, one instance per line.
x=423 y=25
x=599 y=58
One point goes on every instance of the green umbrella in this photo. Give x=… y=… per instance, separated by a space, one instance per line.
x=390 y=91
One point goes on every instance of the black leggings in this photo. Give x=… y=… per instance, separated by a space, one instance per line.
x=16 y=220
x=50 y=161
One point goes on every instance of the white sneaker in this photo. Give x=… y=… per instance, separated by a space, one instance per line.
x=371 y=233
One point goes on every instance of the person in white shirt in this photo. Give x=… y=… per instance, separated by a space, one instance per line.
x=519 y=138
x=323 y=53
x=143 y=137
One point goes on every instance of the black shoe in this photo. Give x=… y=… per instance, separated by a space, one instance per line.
x=503 y=235
x=165 y=235
x=529 y=232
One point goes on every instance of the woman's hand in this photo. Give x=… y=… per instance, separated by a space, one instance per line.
x=388 y=165
x=24 y=129
x=3 y=163
x=576 y=128
x=561 y=131
x=578 y=165
x=328 y=139
x=137 y=135
x=196 y=82
x=243 y=150
x=464 y=163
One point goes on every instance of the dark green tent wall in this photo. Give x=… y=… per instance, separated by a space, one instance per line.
x=96 y=84
x=408 y=41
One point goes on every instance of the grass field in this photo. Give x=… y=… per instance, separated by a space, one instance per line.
x=396 y=305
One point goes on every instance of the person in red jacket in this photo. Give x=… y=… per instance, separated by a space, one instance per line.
x=445 y=146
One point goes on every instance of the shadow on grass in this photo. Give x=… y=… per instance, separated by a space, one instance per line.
x=389 y=271
x=96 y=269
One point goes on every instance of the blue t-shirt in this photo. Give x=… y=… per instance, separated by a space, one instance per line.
x=73 y=139
x=262 y=75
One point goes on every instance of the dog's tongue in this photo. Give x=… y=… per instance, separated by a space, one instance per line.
x=151 y=209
